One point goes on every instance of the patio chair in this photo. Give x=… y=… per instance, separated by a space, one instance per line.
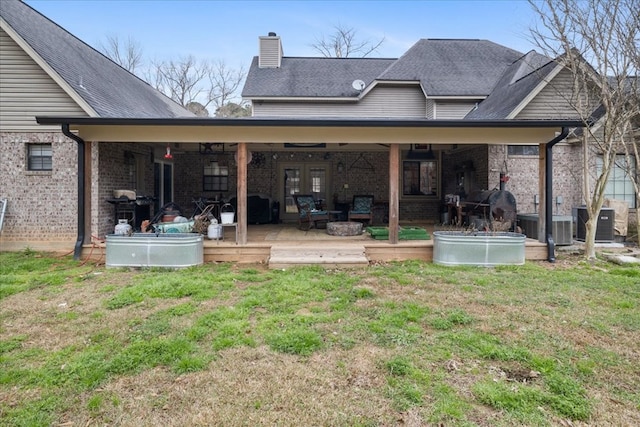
x=308 y=215
x=362 y=208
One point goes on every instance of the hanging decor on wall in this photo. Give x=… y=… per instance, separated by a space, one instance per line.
x=208 y=148
x=258 y=160
x=168 y=154
x=361 y=163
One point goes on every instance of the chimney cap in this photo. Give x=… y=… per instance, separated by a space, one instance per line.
x=272 y=34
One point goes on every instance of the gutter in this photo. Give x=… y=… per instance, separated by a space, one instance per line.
x=81 y=171
x=304 y=122
x=548 y=208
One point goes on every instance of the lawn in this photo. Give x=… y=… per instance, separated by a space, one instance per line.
x=395 y=344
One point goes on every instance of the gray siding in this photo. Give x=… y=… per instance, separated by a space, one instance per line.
x=27 y=91
x=453 y=109
x=551 y=102
x=398 y=102
x=270 y=52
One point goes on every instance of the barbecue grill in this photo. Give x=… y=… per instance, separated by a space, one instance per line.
x=493 y=210
x=132 y=207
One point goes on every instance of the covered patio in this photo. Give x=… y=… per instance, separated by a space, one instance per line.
x=255 y=245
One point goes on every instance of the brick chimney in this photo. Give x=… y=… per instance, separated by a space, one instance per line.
x=270 y=51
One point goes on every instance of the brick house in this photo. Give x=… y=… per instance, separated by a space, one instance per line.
x=449 y=116
x=44 y=70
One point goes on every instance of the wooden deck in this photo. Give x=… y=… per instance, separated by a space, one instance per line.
x=307 y=244
x=295 y=247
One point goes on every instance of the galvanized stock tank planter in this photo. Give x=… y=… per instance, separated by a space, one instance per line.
x=479 y=248
x=172 y=250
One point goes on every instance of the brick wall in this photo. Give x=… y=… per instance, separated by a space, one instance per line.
x=41 y=205
x=113 y=168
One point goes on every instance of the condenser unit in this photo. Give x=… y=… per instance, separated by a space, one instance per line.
x=562 y=228
x=605 y=225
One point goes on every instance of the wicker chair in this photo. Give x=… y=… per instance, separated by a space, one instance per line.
x=362 y=208
x=308 y=214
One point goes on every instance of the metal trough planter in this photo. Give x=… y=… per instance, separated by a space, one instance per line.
x=485 y=249
x=173 y=250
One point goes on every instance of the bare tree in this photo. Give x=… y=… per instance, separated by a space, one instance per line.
x=597 y=41
x=223 y=84
x=343 y=43
x=197 y=85
x=181 y=80
x=127 y=54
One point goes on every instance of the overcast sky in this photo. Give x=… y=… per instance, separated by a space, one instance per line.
x=229 y=30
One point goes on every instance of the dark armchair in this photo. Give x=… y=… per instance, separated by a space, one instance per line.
x=362 y=208
x=308 y=215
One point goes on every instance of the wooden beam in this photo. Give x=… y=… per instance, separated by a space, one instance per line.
x=241 y=195
x=394 y=186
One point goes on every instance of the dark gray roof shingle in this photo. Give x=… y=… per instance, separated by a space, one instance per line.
x=443 y=67
x=453 y=67
x=312 y=77
x=108 y=88
x=514 y=86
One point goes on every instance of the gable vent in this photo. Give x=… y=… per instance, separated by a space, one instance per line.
x=270 y=51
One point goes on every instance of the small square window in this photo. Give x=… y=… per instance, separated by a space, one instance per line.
x=39 y=157
x=215 y=177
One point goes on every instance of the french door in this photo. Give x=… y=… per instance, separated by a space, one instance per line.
x=296 y=178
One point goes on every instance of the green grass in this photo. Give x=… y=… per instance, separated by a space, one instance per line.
x=441 y=334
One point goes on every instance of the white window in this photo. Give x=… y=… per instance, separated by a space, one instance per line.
x=419 y=178
x=619 y=185
x=523 y=150
x=215 y=177
x=39 y=157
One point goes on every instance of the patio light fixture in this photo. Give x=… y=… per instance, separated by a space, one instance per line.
x=168 y=154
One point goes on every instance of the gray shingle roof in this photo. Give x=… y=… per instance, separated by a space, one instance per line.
x=514 y=86
x=443 y=67
x=453 y=67
x=312 y=77
x=108 y=88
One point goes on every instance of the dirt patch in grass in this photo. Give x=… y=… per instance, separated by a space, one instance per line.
x=253 y=387
x=67 y=315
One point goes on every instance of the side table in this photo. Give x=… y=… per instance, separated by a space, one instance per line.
x=234 y=225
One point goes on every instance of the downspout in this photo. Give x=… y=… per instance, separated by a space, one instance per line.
x=81 y=171
x=548 y=196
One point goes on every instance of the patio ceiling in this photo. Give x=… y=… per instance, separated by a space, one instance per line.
x=354 y=131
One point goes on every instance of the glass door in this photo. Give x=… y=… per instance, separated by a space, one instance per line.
x=295 y=178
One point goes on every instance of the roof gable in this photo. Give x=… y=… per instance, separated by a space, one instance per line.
x=520 y=80
x=453 y=67
x=110 y=90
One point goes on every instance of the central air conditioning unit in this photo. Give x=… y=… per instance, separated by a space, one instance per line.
x=605 y=227
x=562 y=228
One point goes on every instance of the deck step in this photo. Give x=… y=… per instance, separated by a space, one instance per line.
x=285 y=256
